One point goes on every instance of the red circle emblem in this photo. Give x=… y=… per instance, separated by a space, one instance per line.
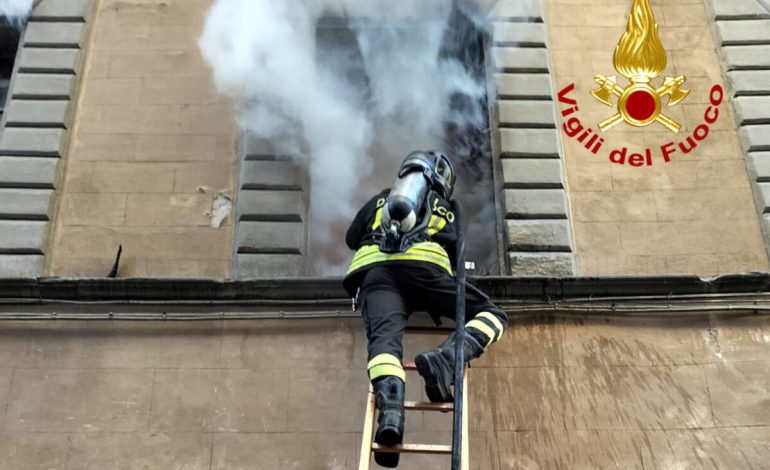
x=640 y=105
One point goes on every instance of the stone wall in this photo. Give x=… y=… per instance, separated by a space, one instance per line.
x=694 y=214
x=35 y=130
x=555 y=393
x=153 y=146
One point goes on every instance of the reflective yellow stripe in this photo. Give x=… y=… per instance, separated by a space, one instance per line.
x=385 y=364
x=377 y=219
x=430 y=252
x=378 y=258
x=484 y=328
x=384 y=358
x=386 y=369
x=495 y=321
x=436 y=224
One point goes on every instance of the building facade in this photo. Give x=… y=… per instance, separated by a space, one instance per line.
x=114 y=134
x=115 y=139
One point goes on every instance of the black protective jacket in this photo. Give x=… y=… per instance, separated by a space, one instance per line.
x=438 y=248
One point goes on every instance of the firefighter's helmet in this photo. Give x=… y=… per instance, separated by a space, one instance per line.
x=436 y=167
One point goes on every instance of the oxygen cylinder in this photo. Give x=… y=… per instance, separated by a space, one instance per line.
x=405 y=202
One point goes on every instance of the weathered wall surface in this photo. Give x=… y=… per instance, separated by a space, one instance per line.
x=692 y=215
x=153 y=146
x=275 y=395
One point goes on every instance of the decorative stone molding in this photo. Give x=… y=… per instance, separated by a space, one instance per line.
x=540 y=241
x=34 y=132
x=743 y=34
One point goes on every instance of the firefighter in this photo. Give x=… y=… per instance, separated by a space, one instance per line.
x=405 y=239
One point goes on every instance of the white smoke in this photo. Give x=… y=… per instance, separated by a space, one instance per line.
x=351 y=136
x=15 y=9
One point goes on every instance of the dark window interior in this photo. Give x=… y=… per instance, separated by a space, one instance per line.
x=9 y=44
x=468 y=145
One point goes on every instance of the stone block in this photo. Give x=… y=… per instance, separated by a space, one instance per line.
x=514 y=9
x=29 y=113
x=517 y=113
x=309 y=450
x=342 y=389
x=539 y=235
x=251 y=400
x=165 y=210
x=48 y=86
x=532 y=173
x=163 y=244
x=45 y=34
x=271 y=236
x=752 y=109
x=746 y=57
x=120 y=177
x=249 y=345
x=62 y=10
x=756 y=138
x=256 y=148
x=253 y=205
x=735 y=33
x=94 y=450
x=212 y=177
x=749 y=82
x=94 y=209
x=764 y=192
x=35 y=451
x=604 y=397
x=738 y=9
x=27 y=172
x=33 y=142
x=524 y=85
x=759 y=163
x=40 y=60
x=535 y=204
x=542 y=264
x=90 y=400
x=259 y=266
x=25 y=203
x=270 y=174
x=739 y=393
x=521 y=34
x=539 y=143
x=24 y=236
x=517 y=59
x=181 y=401
x=21 y=265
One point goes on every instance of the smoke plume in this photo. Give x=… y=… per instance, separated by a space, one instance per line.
x=349 y=108
x=15 y=9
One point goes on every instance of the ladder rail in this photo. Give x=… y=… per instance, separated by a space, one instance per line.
x=458 y=436
x=366 y=441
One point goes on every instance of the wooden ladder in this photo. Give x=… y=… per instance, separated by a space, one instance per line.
x=368 y=447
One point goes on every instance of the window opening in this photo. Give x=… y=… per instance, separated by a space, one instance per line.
x=463 y=130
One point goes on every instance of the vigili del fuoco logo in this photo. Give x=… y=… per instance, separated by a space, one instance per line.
x=640 y=58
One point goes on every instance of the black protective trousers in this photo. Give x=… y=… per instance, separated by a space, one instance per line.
x=391 y=292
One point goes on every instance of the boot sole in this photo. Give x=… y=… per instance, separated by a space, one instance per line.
x=388 y=436
x=433 y=388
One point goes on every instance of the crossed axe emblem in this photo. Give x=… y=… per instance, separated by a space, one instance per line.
x=639 y=103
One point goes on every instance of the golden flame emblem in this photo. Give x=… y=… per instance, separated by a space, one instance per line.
x=640 y=57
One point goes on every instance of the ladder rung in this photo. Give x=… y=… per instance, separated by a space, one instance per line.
x=412 y=449
x=428 y=406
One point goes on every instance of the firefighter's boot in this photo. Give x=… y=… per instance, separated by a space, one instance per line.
x=437 y=366
x=389 y=398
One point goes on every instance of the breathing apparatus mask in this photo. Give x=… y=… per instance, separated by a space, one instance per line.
x=403 y=219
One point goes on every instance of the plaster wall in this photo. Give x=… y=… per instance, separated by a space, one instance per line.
x=555 y=393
